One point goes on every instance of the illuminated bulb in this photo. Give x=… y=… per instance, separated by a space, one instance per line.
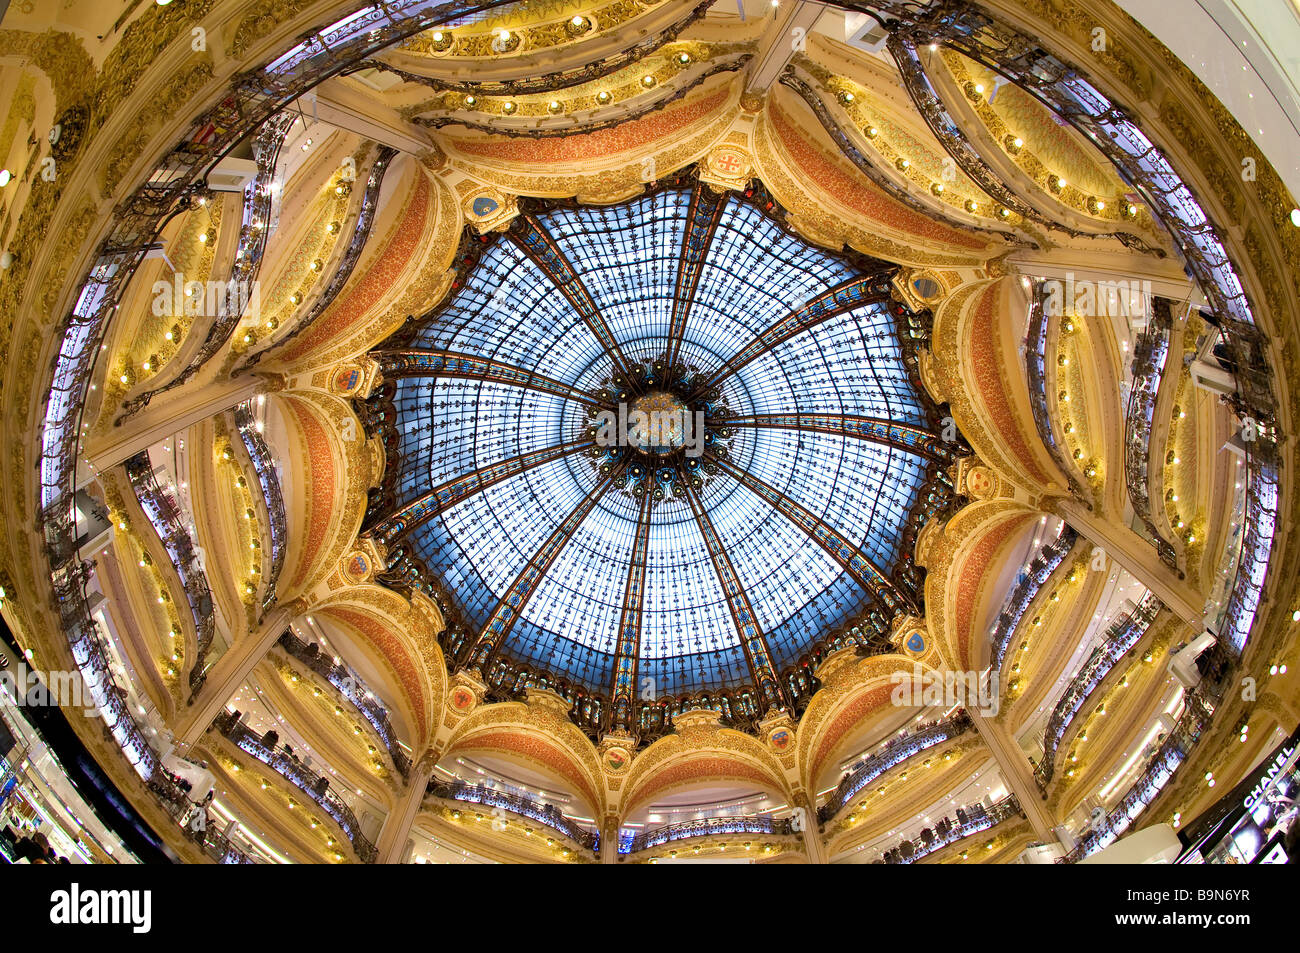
x=471 y=100
x=684 y=58
x=647 y=81
x=1295 y=217
x=972 y=205
x=871 y=132
x=5 y=177
x=553 y=106
x=508 y=107
x=937 y=188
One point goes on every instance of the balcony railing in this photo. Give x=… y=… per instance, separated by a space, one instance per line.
x=545 y=814
x=969 y=821
x=1019 y=599
x=351 y=255
x=164 y=513
x=1197 y=712
x=629 y=843
x=1122 y=635
x=248 y=256
x=312 y=785
x=1150 y=351
x=354 y=690
x=1256 y=544
x=1036 y=371
x=894 y=753
x=180 y=808
x=260 y=454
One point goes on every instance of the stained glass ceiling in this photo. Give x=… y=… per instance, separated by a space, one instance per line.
x=664 y=567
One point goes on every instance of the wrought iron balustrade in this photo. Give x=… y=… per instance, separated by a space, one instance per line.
x=164 y=513
x=1121 y=635
x=1258 y=528
x=894 y=753
x=267 y=477
x=253 y=231
x=706 y=827
x=545 y=814
x=946 y=831
x=1197 y=711
x=216 y=845
x=1018 y=600
x=314 y=786
x=351 y=255
x=1150 y=352
x=354 y=690
x=1036 y=371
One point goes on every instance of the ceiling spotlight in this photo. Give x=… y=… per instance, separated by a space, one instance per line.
x=471 y=100
x=871 y=132
x=972 y=206
x=903 y=164
x=554 y=106
x=684 y=58
x=508 y=107
x=603 y=97
x=647 y=81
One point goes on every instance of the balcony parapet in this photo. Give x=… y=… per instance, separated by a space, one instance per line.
x=314 y=786
x=164 y=513
x=545 y=814
x=351 y=687
x=969 y=821
x=1122 y=635
x=894 y=753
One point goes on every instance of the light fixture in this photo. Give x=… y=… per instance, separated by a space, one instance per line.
x=554 y=106
x=5 y=177
x=577 y=25
x=684 y=58
x=972 y=206
x=508 y=107
x=647 y=81
x=871 y=132
x=1295 y=217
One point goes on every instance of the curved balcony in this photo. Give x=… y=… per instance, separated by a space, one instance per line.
x=629 y=843
x=1196 y=715
x=248 y=256
x=1121 y=636
x=1036 y=371
x=351 y=255
x=313 y=785
x=894 y=753
x=969 y=821
x=354 y=690
x=1150 y=351
x=180 y=808
x=1256 y=544
x=1019 y=599
x=260 y=454
x=545 y=814
x=164 y=513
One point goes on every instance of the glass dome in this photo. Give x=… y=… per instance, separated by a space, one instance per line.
x=658 y=449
